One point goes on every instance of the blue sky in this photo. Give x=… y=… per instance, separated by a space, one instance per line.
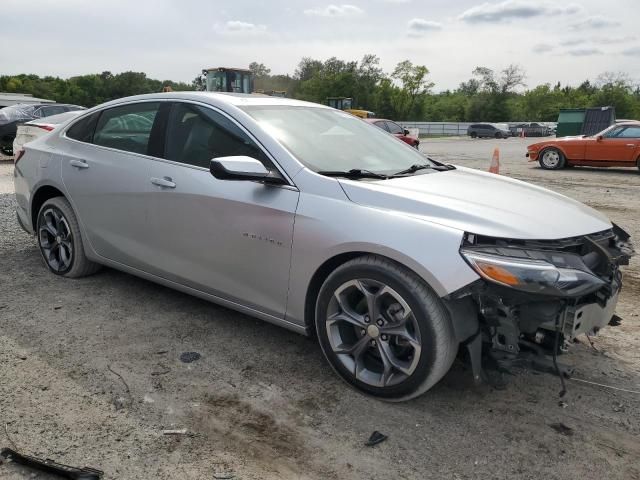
x=170 y=39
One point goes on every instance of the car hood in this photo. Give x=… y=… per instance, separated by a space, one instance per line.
x=481 y=203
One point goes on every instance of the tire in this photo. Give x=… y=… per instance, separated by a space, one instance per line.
x=60 y=242
x=416 y=146
x=498 y=135
x=551 y=159
x=418 y=347
x=473 y=135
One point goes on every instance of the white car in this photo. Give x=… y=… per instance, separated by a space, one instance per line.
x=29 y=131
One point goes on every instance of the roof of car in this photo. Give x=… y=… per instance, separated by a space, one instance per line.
x=217 y=98
x=373 y=120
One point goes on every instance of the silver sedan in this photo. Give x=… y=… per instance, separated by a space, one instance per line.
x=312 y=219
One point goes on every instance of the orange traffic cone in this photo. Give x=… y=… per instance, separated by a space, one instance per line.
x=495 y=162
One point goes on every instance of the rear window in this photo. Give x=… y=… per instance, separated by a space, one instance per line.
x=83 y=129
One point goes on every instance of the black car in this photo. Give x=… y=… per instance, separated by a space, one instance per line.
x=11 y=116
x=489 y=130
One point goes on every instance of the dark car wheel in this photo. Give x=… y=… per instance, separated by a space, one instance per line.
x=60 y=242
x=551 y=159
x=383 y=330
x=473 y=135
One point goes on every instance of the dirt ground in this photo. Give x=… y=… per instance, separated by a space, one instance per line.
x=90 y=375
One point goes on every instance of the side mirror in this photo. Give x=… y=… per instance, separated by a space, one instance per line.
x=599 y=138
x=243 y=168
x=406 y=132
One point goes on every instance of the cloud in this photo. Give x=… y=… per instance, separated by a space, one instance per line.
x=570 y=42
x=335 y=11
x=542 y=48
x=596 y=21
x=632 y=52
x=239 y=27
x=419 y=27
x=514 y=9
x=584 y=52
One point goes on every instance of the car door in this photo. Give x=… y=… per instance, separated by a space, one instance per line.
x=105 y=169
x=227 y=238
x=618 y=144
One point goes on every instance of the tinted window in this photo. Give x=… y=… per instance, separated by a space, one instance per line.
x=83 y=129
x=52 y=110
x=630 y=132
x=381 y=125
x=127 y=127
x=394 y=128
x=195 y=135
x=614 y=132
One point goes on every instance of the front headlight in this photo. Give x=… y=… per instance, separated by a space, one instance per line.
x=532 y=275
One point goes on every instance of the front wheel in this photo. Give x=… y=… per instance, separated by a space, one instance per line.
x=383 y=330
x=60 y=242
x=551 y=159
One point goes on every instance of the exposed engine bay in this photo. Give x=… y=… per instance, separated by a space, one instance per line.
x=538 y=295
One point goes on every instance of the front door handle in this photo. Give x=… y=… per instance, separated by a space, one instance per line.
x=79 y=163
x=165 y=182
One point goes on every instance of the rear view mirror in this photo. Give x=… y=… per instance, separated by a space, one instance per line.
x=599 y=138
x=243 y=168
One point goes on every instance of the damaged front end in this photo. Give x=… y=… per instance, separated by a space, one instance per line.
x=537 y=295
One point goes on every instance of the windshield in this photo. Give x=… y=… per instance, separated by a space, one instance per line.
x=329 y=140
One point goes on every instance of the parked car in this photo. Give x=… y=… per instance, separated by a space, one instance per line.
x=29 y=131
x=395 y=259
x=616 y=146
x=394 y=129
x=531 y=129
x=488 y=130
x=13 y=115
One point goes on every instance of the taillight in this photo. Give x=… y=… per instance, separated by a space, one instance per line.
x=48 y=128
x=18 y=155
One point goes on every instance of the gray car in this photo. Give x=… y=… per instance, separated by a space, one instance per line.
x=312 y=219
x=488 y=130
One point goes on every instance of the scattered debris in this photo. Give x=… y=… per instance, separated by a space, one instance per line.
x=6 y=432
x=182 y=431
x=162 y=371
x=49 y=466
x=563 y=404
x=189 y=357
x=223 y=476
x=126 y=386
x=376 y=438
x=162 y=352
x=57 y=307
x=616 y=321
x=562 y=429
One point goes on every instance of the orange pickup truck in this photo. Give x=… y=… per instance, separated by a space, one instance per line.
x=616 y=146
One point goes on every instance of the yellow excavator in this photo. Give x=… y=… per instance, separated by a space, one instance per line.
x=345 y=103
x=225 y=79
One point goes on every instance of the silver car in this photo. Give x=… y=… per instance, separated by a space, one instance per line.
x=312 y=219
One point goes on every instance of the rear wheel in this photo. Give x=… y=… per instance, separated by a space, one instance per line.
x=60 y=242
x=551 y=159
x=474 y=135
x=383 y=330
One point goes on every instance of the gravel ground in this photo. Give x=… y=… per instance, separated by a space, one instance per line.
x=90 y=375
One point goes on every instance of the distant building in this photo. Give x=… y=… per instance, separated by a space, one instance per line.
x=7 y=99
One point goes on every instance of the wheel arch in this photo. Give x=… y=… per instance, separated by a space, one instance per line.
x=553 y=147
x=41 y=195
x=327 y=267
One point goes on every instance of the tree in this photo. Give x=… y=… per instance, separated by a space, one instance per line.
x=259 y=70
x=414 y=85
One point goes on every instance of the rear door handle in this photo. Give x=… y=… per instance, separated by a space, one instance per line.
x=79 y=163
x=165 y=182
